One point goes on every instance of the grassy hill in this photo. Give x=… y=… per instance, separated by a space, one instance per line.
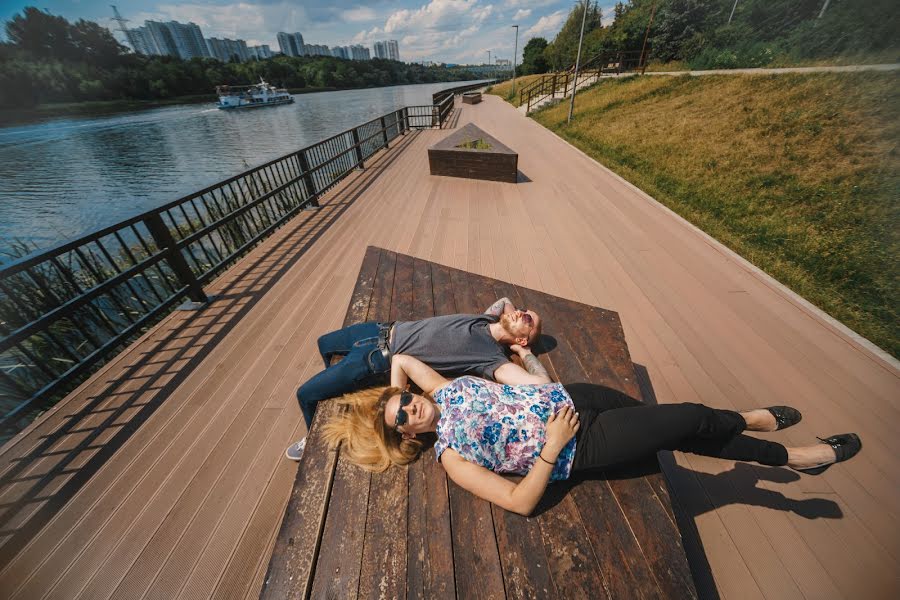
x=800 y=174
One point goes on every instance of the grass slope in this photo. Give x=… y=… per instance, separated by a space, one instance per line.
x=797 y=173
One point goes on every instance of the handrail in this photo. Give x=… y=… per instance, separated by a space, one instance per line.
x=561 y=82
x=64 y=311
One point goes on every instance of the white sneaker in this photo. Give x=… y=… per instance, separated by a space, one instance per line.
x=295 y=450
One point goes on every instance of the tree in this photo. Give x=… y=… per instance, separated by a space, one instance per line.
x=533 y=59
x=562 y=51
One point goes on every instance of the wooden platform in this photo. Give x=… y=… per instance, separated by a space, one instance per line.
x=409 y=532
x=164 y=475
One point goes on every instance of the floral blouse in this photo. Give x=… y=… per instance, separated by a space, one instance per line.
x=500 y=427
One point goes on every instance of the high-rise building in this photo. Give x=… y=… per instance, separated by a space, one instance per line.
x=259 y=52
x=142 y=42
x=393 y=50
x=317 y=50
x=388 y=49
x=358 y=52
x=184 y=40
x=291 y=44
x=341 y=52
x=228 y=50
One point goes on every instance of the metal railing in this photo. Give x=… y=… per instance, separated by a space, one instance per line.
x=560 y=84
x=66 y=310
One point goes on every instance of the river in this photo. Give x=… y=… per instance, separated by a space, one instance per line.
x=66 y=177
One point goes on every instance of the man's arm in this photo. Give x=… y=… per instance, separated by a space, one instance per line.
x=503 y=305
x=512 y=374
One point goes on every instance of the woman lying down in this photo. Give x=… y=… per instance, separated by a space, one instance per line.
x=549 y=432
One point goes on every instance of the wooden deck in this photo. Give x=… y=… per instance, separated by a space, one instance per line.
x=163 y=476
x=409 y=533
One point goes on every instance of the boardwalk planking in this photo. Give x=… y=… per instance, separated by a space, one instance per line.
x=608 y=245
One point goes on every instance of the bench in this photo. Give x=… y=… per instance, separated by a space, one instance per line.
x=413 y=533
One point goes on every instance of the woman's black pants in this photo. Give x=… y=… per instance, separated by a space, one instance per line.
x=616 y=429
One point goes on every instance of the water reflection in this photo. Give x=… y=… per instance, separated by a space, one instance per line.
x=67 y=177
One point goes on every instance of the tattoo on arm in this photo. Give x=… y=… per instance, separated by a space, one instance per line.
x=534 y=366
x=496 y=309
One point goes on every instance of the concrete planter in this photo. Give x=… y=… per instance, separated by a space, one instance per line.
x=471 y=97
x=471 y=153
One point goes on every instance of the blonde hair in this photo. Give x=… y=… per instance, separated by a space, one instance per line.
x=365 y=439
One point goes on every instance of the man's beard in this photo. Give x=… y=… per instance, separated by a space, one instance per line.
x=506 y=323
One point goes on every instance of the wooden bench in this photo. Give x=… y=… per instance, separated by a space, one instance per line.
x=412 y=533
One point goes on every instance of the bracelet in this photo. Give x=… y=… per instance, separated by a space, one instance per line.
x=546 y=461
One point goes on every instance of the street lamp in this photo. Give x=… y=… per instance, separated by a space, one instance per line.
x=515 y=52
x=577 y=61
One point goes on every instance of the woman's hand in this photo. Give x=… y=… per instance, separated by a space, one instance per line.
x=561 y=427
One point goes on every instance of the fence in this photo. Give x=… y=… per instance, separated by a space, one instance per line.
x=65 y=310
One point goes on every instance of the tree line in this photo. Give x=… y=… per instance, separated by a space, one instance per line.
x=722 y=34
x=48 y=59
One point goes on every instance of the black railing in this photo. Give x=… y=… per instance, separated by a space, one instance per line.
x=553 y=85
x=66 y=310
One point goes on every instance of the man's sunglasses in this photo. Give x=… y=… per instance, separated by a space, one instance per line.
x=402 y=416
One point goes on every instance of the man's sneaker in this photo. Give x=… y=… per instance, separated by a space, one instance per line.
x=295 y=450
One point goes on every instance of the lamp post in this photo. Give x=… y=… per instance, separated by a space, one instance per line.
x=577 y=61
x=515 y=52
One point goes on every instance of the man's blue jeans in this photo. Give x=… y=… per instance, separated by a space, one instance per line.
x=363 y=365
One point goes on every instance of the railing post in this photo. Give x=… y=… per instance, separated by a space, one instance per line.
x=401 y=120
x=358 y=149
x=383 y=133
x=553 y=92
x=312 y=195
x=164 y=240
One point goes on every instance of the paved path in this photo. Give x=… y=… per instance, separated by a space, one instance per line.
x=784 y=70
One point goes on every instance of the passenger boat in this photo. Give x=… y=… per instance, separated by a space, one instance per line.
x=251 y=96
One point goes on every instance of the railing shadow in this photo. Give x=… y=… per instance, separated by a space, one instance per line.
x=262 y=269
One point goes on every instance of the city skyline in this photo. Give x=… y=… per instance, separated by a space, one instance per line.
x=452 y=31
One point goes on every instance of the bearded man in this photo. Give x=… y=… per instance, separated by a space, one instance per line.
x=451 y=345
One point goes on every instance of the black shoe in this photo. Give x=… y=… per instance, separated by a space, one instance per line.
x=785 y=416
x=846 y=446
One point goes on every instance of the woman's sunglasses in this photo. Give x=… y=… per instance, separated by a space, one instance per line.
x=402 y=416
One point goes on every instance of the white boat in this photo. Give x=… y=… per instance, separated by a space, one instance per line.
x=251 y=96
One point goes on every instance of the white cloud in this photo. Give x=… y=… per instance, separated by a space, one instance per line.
x=548 y=24
x=522 y=13
x=359 y=14
x=440 y=29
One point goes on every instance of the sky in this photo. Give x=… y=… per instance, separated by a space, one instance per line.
x=454 y=31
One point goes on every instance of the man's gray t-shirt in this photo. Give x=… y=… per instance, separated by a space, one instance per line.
x=452 y=344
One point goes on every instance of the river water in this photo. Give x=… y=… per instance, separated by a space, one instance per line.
x=66 y=177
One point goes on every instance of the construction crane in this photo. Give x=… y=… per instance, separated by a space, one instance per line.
x=118 y=18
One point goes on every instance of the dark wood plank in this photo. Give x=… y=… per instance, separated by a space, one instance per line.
x=339 y=568
x=383 y=572
x=523 y=557
x=429 y=540
x=526 y=571
x=476 y=558
x=639 y=498
x=291 y=568
x=337 y=572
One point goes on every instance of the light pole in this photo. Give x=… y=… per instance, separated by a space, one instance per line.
x=577 y=61
x=489 y=58
x=515 y=52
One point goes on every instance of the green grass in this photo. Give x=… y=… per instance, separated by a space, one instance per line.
x=478 y=144
x=797 y=173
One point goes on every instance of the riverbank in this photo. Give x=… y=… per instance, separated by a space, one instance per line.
x=96 y=108
x=797 y=173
